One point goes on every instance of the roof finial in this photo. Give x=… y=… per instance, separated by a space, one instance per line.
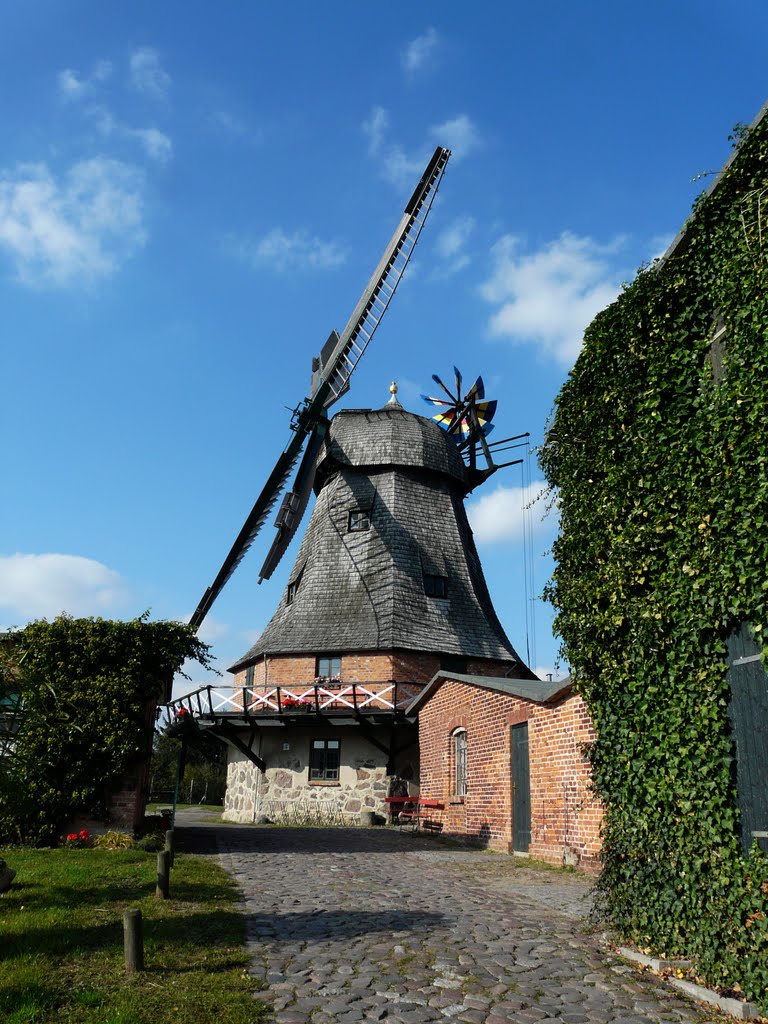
x=393 y=393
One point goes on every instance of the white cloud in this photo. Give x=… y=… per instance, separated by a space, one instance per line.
x=147 y=75
x=280 y=251
x=72 y=230
x=155 y=143
x=73 y=86
x=376 y=127
x=458 y=134
x=419 y=51
x=36 y=586
x=211 y=629
x=402 y=168
x=227 y=122
x=70 y=86
x=451 y=246
x=549 y=296
x=500 y=515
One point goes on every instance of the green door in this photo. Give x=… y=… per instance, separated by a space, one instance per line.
x=748 y=715
x=521 y=789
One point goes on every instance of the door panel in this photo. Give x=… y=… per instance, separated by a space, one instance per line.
x=521 y=789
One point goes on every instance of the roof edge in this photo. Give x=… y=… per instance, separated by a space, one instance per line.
x=680 y=239
x=534 y=690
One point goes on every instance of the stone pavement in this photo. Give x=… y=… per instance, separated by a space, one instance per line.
x=350 y=925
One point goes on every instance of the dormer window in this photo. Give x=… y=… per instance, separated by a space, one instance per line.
x=293 y=587
x=359 y=520
x=435 y=586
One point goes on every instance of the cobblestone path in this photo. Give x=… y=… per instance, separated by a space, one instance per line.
x=353 y=925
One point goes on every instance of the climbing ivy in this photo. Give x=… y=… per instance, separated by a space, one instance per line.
x=88 y=686
x=658 y=457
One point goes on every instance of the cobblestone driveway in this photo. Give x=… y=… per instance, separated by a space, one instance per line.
x=367 y=924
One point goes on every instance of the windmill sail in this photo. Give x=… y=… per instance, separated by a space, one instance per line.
x=330 y=380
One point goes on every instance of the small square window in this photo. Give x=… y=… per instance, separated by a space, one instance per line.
x=327 y=666
x=435 y=586
x=359 y=520
x=324 y=760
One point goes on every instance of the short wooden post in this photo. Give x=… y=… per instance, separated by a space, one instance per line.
x=133 y=940
x=163 y=875
x=170 y=845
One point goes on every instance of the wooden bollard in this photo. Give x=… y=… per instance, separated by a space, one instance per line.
x=170 y=845
x=133 y=940
x=163 y=875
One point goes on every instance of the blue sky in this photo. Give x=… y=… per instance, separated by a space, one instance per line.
x=192 y=196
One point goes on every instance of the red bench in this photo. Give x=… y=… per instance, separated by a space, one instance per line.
x=413 y=812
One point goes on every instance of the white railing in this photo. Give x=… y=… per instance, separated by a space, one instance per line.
x=210 y=701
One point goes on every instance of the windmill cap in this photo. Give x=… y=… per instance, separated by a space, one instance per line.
x=391 y=436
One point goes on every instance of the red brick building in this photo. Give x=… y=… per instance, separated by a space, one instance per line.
x=505 y=758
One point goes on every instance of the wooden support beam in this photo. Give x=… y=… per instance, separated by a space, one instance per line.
x=230 y=735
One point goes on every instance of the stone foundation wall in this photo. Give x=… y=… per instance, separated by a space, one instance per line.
x=284 y=791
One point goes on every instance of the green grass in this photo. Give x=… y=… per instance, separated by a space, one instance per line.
x=61 y=942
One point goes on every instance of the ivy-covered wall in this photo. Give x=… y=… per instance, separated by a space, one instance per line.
x=86 y=687
x=658 y=453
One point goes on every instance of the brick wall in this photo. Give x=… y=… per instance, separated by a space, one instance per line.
x=362 y=667
x=565 y=816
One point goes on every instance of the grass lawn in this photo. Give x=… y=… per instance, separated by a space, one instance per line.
x=61 y=942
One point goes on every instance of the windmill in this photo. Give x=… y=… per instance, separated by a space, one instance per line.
x=331 y=371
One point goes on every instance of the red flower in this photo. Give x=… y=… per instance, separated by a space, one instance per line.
x=85 y=835
x=72 y=837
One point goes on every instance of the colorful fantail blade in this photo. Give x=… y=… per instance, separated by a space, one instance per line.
x=446 y=419
x=436 y=379
x=457 y=378
x=435 y=401
x=486 y=411
x=476 y=392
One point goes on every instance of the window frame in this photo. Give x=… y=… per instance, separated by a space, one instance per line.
x=331 y=660
x=459 y=763
x=319 y=769
x=435 y=586
x=365 y=520
x=293 y=586
x=248 y=686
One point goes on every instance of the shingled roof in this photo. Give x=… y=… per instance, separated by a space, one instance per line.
x=365 y=590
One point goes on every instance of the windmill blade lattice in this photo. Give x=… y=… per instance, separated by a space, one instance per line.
x=330 y=380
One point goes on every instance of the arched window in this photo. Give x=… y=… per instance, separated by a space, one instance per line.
x=459 y=758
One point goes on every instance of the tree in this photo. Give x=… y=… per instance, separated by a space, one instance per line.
x=89 y=688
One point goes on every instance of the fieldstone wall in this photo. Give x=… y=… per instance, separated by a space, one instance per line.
x=242 y=788
x=284 y=793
